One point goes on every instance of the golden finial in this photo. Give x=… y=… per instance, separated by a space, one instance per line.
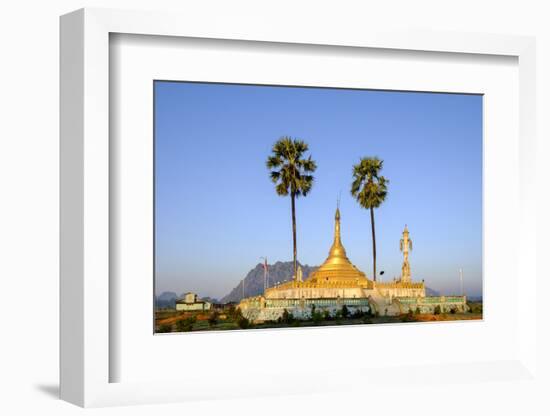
x=337 y=216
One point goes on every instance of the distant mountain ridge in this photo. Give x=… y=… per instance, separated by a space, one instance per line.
x=431 y=292
x=279 y=272
x=166 y=300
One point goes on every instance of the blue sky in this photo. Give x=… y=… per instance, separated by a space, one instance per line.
x=217 y=211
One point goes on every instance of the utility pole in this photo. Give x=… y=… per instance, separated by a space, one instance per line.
x=265 y=272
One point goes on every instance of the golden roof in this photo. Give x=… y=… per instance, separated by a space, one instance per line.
x=337 y=268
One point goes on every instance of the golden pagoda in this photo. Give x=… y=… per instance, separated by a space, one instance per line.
x=337 y=277
x=337 y=268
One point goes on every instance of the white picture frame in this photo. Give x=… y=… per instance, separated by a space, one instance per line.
x=86 y=261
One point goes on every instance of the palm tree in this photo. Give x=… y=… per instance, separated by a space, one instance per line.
x=370 y=190
x=291 y=171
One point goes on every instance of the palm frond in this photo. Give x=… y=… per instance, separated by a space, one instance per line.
x=281 y=189
x=368 y=187
x=273 y=161
x=289 y=169
x=275 y=175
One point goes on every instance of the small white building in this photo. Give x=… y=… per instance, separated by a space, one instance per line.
x=191 y=302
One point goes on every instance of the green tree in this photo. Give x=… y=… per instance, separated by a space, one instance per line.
x=437 y=310
x=475 y=307
x=244 y=323
x=409 y=317
x=181 y=325
x=213 y=318
x=313 y=309
x=234 y=313
x=345 y=312
x=317 y=317
x=165 y=328
x=291 y=171
x=357 y=314
x=369 y=188
x=287 y=317
x=186 y=324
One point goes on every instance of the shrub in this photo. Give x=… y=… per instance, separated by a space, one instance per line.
x=357 y=314
x=326 y=315
x=287 y=317
x=213 y=318
x=453 y=310
x=317 y=317
x=409 y=317
x=313 y=308
x=186 y=325
x=165 y=328
x=244 y=323
x=234 y=313
x=417 y=311
x=475 y=307
x=437 y=310
x=345 y=312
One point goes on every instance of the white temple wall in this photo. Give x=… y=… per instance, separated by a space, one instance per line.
x=316 y=293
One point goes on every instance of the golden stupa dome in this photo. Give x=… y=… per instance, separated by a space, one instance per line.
x=337 y=268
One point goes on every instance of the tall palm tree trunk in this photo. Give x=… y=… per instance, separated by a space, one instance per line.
x=294 y=233
x=373 y=244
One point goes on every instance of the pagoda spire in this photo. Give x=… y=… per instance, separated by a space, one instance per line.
x=337 y=250
x=337 y=240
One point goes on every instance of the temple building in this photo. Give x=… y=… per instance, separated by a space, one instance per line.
x=191 y=302
x=338 y=282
